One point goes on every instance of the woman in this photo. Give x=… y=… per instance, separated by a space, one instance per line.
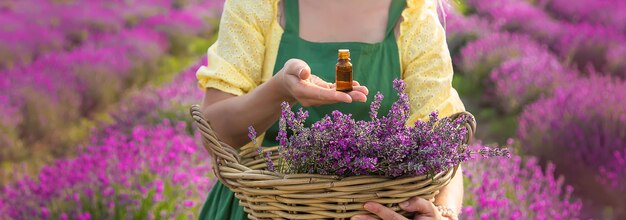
x=270 y=51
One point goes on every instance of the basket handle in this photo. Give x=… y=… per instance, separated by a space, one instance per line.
x=220 y=151
x=470 y=124
x=217 y=148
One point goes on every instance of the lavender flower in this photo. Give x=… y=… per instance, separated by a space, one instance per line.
x=516 y=188
x=460 y=30
x=520 y=81
x=607 y=12
x=479 y=57
x=579 y=128
x=592 y=46
x=268 y=158
x=120 y=173
x=252 y=136
x=64 y=61
x=270 y=163
x=378 y=98
x=64 y=58
x=487 y=152
x=519 y=17
x=585 y=39
x=340 y=145
x=613 y=174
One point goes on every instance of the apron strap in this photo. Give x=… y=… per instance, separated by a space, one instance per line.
x=292 y=16
x=395 y=10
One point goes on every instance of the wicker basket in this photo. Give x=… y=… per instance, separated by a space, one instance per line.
x=269 y=195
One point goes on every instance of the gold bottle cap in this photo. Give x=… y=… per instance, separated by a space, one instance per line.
x=344 y=53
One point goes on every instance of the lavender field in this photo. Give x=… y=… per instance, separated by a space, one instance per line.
x=95 y=94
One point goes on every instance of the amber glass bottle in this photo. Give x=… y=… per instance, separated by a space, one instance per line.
x=343 y=71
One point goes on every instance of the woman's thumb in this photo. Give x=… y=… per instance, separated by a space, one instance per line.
x=299 y=68
x=305 y=73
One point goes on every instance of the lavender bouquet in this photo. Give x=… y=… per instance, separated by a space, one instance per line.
x=383 y=146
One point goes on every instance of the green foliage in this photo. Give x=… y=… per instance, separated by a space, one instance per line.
x=463 y=7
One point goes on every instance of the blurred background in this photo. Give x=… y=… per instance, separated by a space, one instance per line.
x=95 y=95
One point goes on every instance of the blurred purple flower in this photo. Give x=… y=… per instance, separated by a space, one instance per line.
x=595 y=46
x=479 y=57
x=463 y=29
x=175 y=23
x=605 y=12
x=520 y=17
x=614 y=173
x=165 y=151
x=520 y=81
x=516 y=188
x=579 y=128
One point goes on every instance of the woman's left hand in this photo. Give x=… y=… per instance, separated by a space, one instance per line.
x=424 y=210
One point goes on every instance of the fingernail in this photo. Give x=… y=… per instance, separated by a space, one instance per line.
x=404 y=204
x=367 y=206
x=300 y=73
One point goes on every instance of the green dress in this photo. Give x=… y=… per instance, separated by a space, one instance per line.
x=374 y=65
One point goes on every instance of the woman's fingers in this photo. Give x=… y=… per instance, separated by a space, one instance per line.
x=321 y=95
x=310 y=90
x=364 y=217
x=318 y=92
x=358 y=96
x=354 y=85
x=382 y=211
x=361 y=89
x=419 y=205
x=423 y=209
x=320 y=82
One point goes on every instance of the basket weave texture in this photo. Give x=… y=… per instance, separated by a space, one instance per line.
x=269 y=195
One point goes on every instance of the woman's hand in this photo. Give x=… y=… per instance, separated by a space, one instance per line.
x=309 y=90
x=424 y=210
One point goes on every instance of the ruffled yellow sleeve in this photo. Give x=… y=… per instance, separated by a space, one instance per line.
x=235 y=61
x=426 y=63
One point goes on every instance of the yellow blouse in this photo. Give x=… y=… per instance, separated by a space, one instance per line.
x=245 y=52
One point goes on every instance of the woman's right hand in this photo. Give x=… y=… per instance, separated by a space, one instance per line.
x=309 y=90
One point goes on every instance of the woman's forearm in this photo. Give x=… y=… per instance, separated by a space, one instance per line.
x=230 y=116
x=451 y=195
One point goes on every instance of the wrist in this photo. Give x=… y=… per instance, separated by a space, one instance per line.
x=279 y=89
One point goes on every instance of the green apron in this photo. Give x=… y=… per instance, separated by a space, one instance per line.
x=374 y=65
